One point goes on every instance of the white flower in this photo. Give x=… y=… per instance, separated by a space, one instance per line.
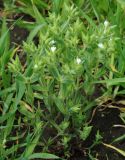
x=110 y=40
x=53 y=48
x=100 y=45
x=106 y=23
x=78 y=61
x=35 y=66
x=52 y=42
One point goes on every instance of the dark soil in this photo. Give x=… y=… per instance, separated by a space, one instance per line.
x=18 y=35
x=1 y=4
x=103 y=121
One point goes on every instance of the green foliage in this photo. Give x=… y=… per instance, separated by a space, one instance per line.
x=72 y=46
x=85 y=133
x=43 y=156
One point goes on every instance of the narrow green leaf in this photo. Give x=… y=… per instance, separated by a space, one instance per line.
x=60 y=105
x=38 y=15
x=31 y=145
x=4 y=40
x=34 y=32
x=57 y=4
x=111 y=82
x=121 y=138
x=43 y=156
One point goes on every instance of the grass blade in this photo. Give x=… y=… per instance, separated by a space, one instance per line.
x=43 y=156
x=121 y=152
